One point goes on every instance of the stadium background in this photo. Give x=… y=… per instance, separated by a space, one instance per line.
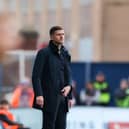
x=96 y=36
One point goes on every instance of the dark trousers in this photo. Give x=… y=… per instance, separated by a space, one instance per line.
x=57 y=119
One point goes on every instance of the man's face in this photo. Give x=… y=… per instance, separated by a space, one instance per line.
x=4 y=106
x=58 y=36
x=123 y=84
x=100 y=78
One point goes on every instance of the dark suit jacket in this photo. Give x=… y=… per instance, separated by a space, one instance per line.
x=45 y=76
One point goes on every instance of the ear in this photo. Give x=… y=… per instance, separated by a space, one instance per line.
x=51 y=37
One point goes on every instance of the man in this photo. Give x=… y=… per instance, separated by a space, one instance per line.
x=23 y=94
x=89 y=96
x=7 y=118
x=122 y=94
x=52 y=81
x=101 y=85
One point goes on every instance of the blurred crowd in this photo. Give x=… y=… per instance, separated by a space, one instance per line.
x=94 y=93
x=21 y=97
x=98 y=93
x=7 y=119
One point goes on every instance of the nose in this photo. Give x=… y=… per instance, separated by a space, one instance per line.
x=61 y=37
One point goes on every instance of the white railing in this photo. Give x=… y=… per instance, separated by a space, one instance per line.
x=21 y=56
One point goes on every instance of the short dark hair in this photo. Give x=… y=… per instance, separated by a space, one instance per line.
x=2 y=102
x=54 y=28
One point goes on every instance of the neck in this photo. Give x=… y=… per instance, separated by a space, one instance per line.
x=57 y=44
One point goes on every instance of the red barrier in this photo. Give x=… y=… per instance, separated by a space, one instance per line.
x=119 y=125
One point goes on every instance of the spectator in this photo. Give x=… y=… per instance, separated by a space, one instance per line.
x=76 y=98
x=89 y=95
x=122 y=94
x=7 y=117
x=23 y=95
x=102 y=86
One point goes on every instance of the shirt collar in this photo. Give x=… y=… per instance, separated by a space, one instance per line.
x=54 y=47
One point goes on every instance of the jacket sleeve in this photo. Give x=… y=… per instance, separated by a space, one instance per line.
x=37 y=73
x=8 y=121
x=68 y=75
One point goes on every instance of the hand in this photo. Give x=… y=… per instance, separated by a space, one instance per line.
x=70 y=103
x=40 y=100
x=65 y=91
